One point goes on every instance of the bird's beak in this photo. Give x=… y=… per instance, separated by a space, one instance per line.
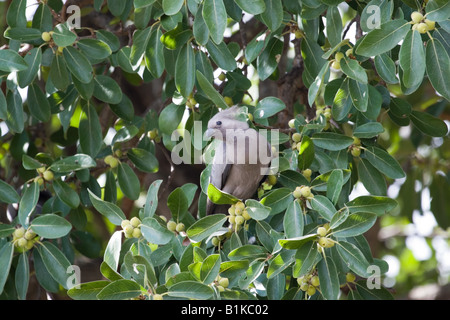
x=209 y=133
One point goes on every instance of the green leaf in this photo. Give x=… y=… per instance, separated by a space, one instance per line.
x=412 y=59
x=328 y=277
x=11 y=61
x=200 y=29
x=111 y=255
x=185 y=70
x=143 y=159
x=151 y=201
x=109 y=38
x=273 y=15
x=154 y=53
x=221 y=55
x=359 y=93
x=368 y=130
x=371 y=178
x=353 y=258
x=219 y=197
x=375 y=204
x=342 y=102
x=334 y=26
x=154 y=232
x=210 y=268
x=267 y=60
x=323 y=206
x=140 y=43
x=170 y=118
x=73 y=163
x=400 y=107
x=383 y=39
x=231 y=269
x=331 y=141
x=334 y=185
x=205 y=227
x=116 y=7
x=438 y=67
x=62 y=36
x=305 y=153
x=191 y=290
x=278 y=200
x=55 y=262
x=355 y=224
x=252 y=6
x=15 y=17
x=111 y=211
x=22 y=34
x=177 y=203
x=339 y=217
x=66 y=194
x=428 y=124
x=319 y=81
x=94 y=48
x=78 y=65
x=372 y=293
x=437 y=10
x=33 y=59
x=14 y=109
x=296 y=243
x=384 y=162
x=120 y=289
x=28 y=202
x=90 y=131
x=124 y=109
x=268 y=107
x=87 y=290
x=293 y=220
x=386 y=68
x=353 y=70
x=58 y=73
x=7 y=193
x=249 y=252
x=172 y=7
x=128 y=181
x=256 y=210
x=107 y=90
x=279 y=263
x=6 y=256
x=38 y=104
x=22 y=276
x=51 y=226
x=210 y=91
x=215 y=16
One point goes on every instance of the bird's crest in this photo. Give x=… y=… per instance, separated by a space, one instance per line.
x=235 y=113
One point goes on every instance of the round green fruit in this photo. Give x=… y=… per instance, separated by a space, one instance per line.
x=171 y=225
x=416 y=17
x=135 y=222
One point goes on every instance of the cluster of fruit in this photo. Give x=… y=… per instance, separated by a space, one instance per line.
x=131 y=228
x=420 y=23
x=303 y=192
x=175 y=227
x=24 y=239
x=44 y=175
x=324 y=241
x=309 y=283
x=112 y=161
x=238 y=214
x=221 y=283
x=355 y=148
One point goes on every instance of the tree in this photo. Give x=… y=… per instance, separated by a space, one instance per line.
x=92 y=92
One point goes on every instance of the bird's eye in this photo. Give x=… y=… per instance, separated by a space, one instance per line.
x=219 y=123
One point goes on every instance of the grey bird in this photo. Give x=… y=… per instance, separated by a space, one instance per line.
x=242 y=155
